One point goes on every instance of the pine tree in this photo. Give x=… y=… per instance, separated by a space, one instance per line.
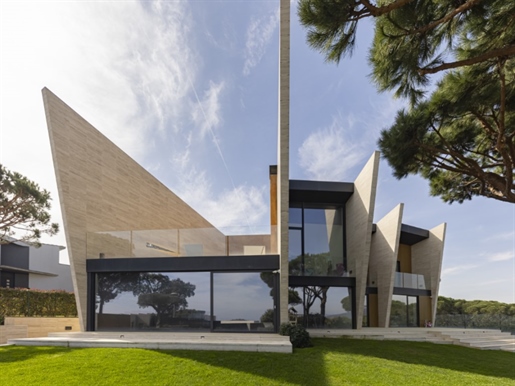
x=24 y=209
x=462 y=137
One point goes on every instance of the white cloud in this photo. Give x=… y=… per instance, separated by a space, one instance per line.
x=127 y=67
x=206 y=112
x=458 y=269
x=329 y=153
x=259 y=33
x=505 y=236
x=239 y=210
x=492 y=282
x=501 y=256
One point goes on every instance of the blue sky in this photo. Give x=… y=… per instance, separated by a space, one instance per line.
x=189 y=90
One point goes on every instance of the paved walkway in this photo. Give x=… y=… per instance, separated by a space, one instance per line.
x=483 y=339
x=165 y=341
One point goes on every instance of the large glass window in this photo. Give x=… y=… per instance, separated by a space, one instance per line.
x=316 y=242
x=404 y=311
x=243 y=301
x=146 y=301
x=321 y=307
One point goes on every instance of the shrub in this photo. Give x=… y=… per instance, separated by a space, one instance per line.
x=26 y=302
x=299 y=337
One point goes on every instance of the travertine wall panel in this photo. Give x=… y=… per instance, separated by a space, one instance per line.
x=37 y=327
x=102 y=189
x=12 y=332
x=359 y=215
x=426 y=259
x=383 y=258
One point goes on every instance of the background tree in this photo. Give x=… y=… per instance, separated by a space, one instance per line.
x=475 y=313
x=461 y=138
x=293 y=295
x=164 y=295
x=24 y=209
x=110 y=285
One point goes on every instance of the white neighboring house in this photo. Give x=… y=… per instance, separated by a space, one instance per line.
x=25 y=266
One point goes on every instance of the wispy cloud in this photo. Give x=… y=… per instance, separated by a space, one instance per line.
x=206 y=113
x=243 y=209
x=329 y=153
x=492 y=282
x=501 y=256
x=259 y=33
x=458 y=269
x=505 y=236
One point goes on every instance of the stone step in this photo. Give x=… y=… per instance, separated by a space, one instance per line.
x=484 y=340
x=212 y=342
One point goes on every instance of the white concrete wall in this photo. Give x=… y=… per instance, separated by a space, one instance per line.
x=46 y=259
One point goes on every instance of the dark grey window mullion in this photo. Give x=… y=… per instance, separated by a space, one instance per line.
x=211 y=301
x=302 y=241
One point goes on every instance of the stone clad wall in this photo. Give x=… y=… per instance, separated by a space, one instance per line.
x=383 y=258
x=359 y=213
x=103 y=189
x=25 y=327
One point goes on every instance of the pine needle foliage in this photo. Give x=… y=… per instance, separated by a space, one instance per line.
x=24 y=209
x=462 y=136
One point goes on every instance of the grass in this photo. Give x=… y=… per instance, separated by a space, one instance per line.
x=329 y=362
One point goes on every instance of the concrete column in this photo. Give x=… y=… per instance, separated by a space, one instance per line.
x=359 y=215
x=383 y=258
x=426 y=259
x=283 y=167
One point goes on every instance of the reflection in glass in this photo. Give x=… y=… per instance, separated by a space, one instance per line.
x=404 y=311
x=178 y=301
x=316 y=242
x=295 y=252
x=323 y=307
x=323 y=242
x=243 y=302
x=295 y=217
x=412 y=311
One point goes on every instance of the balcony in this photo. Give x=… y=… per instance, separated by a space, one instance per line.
x=178 y=243
x=410 y=280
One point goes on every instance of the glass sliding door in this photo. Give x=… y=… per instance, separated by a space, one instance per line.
x=317 y=245
x=322 y=306
x=412 y=311
x=153 y=301
x=243 y=302
x=404 y=311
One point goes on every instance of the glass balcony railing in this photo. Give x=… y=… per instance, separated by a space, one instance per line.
x=410 y=280
x=178 y=243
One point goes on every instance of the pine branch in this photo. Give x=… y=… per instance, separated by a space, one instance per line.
x=465 y=7
x=497 y=53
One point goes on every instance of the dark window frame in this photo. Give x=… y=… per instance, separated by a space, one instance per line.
x=210 y=264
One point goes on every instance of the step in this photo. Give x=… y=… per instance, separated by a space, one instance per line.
x=484 y=340
x=488 y=345
x=212 y=342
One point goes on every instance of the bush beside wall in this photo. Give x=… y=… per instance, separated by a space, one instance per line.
x=27 y=302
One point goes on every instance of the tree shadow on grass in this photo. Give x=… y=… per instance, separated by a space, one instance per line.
x=492 y=363
x=309 y=367
x=10 y=354
x=304 y=367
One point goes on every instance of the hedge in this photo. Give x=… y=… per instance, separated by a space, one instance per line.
x=30 y=302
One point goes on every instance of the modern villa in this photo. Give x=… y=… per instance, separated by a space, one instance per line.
x=143 y=259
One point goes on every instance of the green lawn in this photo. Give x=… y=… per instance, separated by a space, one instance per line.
x=329 y=362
